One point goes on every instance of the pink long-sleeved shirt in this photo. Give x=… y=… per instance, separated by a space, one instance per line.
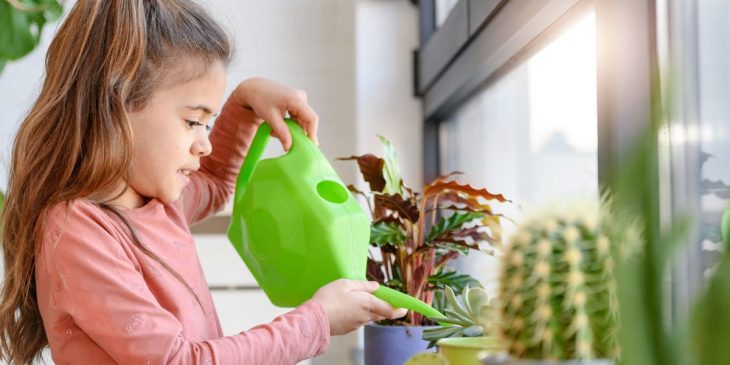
x=104 y=301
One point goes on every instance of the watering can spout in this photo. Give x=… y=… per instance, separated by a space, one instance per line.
x=297 y=227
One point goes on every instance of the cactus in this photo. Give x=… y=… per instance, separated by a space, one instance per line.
x=469 y=315
x=557 y=291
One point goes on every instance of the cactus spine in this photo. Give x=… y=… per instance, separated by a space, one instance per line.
x=557 y=291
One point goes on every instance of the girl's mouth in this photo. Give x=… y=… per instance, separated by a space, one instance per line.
x=184 y=174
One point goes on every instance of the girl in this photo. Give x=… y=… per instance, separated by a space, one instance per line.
x=109 y=168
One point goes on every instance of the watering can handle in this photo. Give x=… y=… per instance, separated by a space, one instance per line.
x=258 y=146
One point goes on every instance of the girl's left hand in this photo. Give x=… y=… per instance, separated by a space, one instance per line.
x=271 y=101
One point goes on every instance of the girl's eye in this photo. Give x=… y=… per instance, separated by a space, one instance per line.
x=193 y=123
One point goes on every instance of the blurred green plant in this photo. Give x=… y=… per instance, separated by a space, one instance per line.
x=646 y=336
x=650 y=333
x=21 y=25
x=711 y=318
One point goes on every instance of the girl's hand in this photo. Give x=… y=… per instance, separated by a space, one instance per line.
x=349 y=305
x=271 y=101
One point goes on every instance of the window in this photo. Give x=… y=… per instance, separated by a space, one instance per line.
x=532 y=135
x=534 y=127
x=510 y=106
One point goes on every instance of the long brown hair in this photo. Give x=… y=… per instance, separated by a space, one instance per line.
x=106 y=59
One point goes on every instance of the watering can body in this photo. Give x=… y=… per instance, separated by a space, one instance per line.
x=295 y=224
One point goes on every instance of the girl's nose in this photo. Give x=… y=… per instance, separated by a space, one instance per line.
x=201 y=146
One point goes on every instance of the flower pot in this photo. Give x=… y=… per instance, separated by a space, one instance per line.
x=493 y=361
x=392 y=345
x=468 y=350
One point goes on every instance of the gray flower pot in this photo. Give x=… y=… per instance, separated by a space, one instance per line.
x=392 y=345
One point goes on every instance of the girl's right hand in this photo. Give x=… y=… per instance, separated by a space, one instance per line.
x=349 y=305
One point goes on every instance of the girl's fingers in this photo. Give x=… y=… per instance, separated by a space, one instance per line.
x=279 y=128
x=308 y=120
x=303 y=113
x=381 y=308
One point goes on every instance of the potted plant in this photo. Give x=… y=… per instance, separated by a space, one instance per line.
x=413 y=236
x=462 y=337
x=557 y=290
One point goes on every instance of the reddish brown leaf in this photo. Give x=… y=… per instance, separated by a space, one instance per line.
x=375 y=271
x=476 y=208
x=371 y=168
x=404 y=207
x=442 y=260
x=456 y=200
x=386 y=219
x=441 y=186
x=450 y=174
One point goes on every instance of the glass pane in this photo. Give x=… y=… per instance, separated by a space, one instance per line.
x=714 y=90
x=532 y=136
x=443 y=9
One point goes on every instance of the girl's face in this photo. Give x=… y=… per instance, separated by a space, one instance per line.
x=170 y=137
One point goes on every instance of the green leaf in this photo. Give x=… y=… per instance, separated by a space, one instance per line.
x=53 y=10
x=391 y=171
x=452 y=279
x=16 y=38
x=21 y=26
x=473 y=331
x=476 y=300
x=434 y=334
x=386 y=233
x=451 y=320
x=455 y=308
x=445 y=247
x=455 y=221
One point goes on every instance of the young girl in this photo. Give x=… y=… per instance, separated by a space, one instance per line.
x=109 y=168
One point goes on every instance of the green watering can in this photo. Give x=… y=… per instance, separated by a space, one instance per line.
x=297 y=227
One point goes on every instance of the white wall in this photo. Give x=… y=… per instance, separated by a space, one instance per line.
x=353 y=57
x=386 y=37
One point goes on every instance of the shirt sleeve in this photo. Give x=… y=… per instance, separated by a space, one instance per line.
x=212 y=185
x=109 y=300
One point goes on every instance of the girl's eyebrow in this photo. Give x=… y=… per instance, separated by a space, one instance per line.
x=203 y=108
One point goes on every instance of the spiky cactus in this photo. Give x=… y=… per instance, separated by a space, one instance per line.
x=557 y=291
